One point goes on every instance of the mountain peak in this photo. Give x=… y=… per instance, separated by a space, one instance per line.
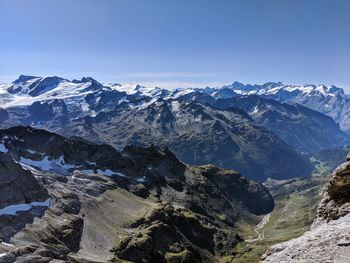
x=273 y=84
x=237 y=84
x=95 y=85
x=84 y=80
x=24 y=78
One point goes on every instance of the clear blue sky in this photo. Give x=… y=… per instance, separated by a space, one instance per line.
x=177 y=43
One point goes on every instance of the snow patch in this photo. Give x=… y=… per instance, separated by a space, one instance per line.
x=57 y=165
x=14 y=209
x=3 y=148
x=141 y=179
x=255 y=110
x=6 y=244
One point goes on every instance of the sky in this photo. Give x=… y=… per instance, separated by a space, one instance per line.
x=170 y=43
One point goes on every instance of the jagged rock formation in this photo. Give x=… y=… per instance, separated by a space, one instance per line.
x=141 y=205
x=336 y=200
x=329 y=237
x=17 y=186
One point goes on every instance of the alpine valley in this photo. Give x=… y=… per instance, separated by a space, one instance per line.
x=93 y=172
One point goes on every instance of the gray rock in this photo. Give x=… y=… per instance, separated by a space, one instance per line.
x=18 y=186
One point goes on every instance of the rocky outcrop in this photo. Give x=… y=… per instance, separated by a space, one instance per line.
x=18 y=186
x=169 y=235
x=325 y=243
x=336 y=199
x=328 y=240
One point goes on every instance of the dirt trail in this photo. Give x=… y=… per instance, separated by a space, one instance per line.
x=259 y=226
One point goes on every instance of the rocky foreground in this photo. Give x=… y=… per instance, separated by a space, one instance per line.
x=329 y=237
x=82 y=202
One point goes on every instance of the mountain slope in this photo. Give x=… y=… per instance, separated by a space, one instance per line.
x=304 y=129
x=140 y=205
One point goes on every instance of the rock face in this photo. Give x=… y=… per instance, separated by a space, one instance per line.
x=139 y=205
x=325 y=243
x=18 y=186
x=336 y=200
x=329 y=237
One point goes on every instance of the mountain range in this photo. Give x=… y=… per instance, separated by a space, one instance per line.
x=74 y=201
x=196 y=132
x=225 y=126
x=329 y=100
x=98 y=172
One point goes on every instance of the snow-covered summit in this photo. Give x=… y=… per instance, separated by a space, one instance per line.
x=34 y=86
x=276 y=89
x=28 y=89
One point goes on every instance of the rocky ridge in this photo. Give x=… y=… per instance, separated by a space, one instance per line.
x=18 y=186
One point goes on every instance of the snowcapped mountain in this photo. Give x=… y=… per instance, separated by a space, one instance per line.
x=278 y=89
x=78 y=97
x=28 y=89
x=136 y=89
x=329 y=100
